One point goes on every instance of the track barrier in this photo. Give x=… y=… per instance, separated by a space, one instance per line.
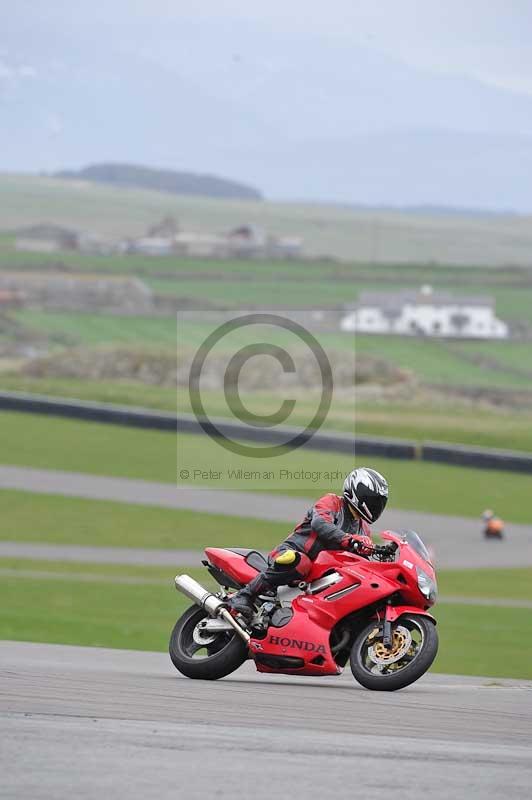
x=324 y=441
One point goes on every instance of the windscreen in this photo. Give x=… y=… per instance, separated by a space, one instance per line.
x=415 y=541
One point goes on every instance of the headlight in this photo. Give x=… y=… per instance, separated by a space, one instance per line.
x=427 y=586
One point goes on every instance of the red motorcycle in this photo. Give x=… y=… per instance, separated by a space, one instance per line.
x=371 y=611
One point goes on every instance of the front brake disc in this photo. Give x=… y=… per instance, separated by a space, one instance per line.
x=402 y=641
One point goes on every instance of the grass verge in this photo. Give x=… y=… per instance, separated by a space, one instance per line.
x=51 y=443
x=475 y=640
x=54 y=519
x=496 y=583
x=89 y=613
x=417 y=420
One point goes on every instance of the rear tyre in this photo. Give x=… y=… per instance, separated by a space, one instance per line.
x=204 y=657
x=414 y=648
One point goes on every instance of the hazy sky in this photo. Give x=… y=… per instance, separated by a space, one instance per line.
x=485 y=39
x=280 y=93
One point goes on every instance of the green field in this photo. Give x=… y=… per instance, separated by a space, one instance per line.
x=96 y=329
x=366 y=234
x=69 y=604
x=78 y=612
x=439 y=363
x=475 y=640
x=50 y=443
x=495 y=583
x=405 y=252
x=120 y=392
x=54 y=519
x=234 y=284
x=446 y=422
x=356 y=273
x=502 y=365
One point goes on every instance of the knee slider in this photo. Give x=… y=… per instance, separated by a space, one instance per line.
x=288 y=558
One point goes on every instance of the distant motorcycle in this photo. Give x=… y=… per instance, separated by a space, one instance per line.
x=371 y=611
x=493 y=525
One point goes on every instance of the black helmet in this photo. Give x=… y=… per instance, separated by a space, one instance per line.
x=367 y=491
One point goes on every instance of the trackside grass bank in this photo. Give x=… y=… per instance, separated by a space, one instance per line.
x=417 y=420
x=53 y=519
x=92 y=605
x=72 y=446
x=475 y=640
x=488 y=364
x=495 y=583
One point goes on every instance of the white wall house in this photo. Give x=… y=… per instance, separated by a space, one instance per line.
x=425 y=313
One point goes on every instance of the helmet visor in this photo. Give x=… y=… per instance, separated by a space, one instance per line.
x=370 y=508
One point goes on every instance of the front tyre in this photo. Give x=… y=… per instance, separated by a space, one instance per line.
x=206 y=657
x=414 y=648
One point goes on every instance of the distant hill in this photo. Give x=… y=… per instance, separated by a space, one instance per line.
x=163 y=180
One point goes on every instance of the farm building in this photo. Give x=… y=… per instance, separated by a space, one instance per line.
x=55 y=238
x=252 y=241
x=200 y=245
x=152 y=246
x=46 y=239
x=425 y=313
x=247 y=241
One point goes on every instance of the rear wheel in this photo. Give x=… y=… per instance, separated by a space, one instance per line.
x=414 y=648
x=203 y=655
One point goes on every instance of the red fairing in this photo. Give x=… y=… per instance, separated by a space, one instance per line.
x=307 y=635
x=303 y=639
x=361 y=584
x=233 y=564
x=350 y=585
x=394 y=612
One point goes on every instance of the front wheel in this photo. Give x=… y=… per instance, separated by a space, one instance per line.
x=414 y=648
x=202 y=655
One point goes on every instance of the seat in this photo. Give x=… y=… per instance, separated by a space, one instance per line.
x=252 y=557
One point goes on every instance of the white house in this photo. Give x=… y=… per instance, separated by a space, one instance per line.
x=425 y=313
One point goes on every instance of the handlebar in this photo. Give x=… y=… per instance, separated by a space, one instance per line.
x=381 y=552
x=384 y=552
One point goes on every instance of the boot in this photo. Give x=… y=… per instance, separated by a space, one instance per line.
x=243 y=600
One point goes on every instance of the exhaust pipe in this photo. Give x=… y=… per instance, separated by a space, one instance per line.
x=195 y=591
x=208 y=601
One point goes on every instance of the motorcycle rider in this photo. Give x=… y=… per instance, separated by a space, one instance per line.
x=493 y=525
x=332 y=523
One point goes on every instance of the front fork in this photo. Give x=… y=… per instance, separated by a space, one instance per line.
x=387 y=633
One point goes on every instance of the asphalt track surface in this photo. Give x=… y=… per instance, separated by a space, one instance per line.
x=456 y=541
x=92 y=723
